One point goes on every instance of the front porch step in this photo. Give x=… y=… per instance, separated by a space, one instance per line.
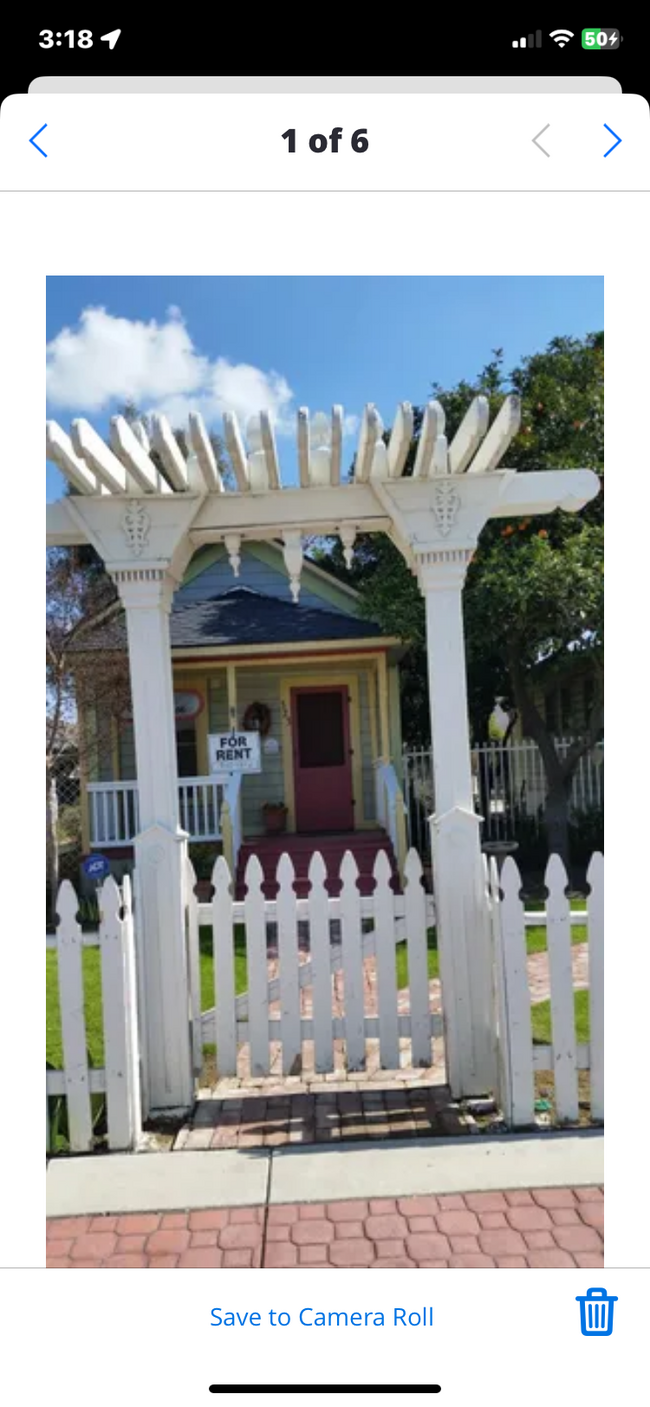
x=300 y=848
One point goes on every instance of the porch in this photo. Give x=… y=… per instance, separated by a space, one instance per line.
x=329 y=755
x=210 y=810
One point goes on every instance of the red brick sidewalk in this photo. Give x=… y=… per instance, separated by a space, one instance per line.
x=547 y=1228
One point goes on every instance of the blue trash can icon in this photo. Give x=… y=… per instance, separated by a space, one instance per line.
x=596 y=1313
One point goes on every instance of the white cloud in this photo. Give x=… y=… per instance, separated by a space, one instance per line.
x=109 y=359
x=247 y=390
x=106 y=361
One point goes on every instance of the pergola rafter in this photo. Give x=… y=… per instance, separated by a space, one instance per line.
x=147 y=507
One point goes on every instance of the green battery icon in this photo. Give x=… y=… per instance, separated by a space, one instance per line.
x=600 y=38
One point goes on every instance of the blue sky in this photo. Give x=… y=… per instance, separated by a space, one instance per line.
x=210 y=343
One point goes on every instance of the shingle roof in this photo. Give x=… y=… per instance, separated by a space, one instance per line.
x=245 y=617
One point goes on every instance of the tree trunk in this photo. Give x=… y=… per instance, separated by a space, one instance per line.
x=51 y=840
x=556 y=820
x=559 y=774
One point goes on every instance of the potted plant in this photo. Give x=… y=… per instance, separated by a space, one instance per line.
x=275 y=817
x=203 y=856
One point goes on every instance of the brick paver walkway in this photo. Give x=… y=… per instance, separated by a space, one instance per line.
x=272 y=1115
x=546 y=1228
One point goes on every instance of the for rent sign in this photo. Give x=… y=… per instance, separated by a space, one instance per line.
x=234 y=752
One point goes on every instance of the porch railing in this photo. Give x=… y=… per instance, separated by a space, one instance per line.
x=391 y=811
x=114 y=818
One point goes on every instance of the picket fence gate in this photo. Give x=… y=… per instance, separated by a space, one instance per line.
x=519 y=1058
x=369 y=926
x=119 y=1077
x=365 y=926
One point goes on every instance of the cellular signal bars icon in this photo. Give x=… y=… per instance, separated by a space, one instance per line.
x=534 y=41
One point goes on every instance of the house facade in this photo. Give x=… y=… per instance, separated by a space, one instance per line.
x=320 y=685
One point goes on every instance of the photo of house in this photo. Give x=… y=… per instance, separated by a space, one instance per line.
x=318 y=682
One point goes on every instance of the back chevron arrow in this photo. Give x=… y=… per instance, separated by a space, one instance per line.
x=538 y=144
x=33 y=141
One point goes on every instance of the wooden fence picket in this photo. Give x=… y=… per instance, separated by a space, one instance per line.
x=558 y=930
x=352 y=963
x=194 y=968
x=141 y=1003
x=516 y=1035
x=385 y=960
x=416 y=947
x=288 y=962
x=73 y=1020
x=117 y=1071
x=258 y=1003
x=224 y=969
x=504 y=1057
x=131 y=1013
x=319 y=941
x=596 y=934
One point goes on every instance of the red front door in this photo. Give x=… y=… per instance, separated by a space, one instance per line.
x=322 y=759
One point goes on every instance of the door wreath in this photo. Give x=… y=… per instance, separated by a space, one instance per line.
x=257 y=719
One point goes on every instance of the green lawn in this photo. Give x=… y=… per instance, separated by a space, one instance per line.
x=536 y=937
x=541 y=1019
x=207 y=964
x=93 y=1006
x=401 y=959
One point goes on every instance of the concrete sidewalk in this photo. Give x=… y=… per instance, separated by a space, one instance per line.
x=121 y=1183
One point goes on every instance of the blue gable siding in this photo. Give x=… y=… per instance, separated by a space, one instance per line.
x=258 y=576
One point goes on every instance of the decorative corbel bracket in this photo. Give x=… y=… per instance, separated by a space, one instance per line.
x=293 y=560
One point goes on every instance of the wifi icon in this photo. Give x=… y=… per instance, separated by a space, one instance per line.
x=561 y=36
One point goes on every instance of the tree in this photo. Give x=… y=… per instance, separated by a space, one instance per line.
x=534 y=591
x=135 y=418
x=534 y=594
x=81 y=598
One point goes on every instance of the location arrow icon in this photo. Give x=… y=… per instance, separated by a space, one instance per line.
x=112 y=38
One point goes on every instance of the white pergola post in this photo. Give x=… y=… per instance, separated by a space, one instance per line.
x=160 y=845
x=144 y=543
x=463 y=934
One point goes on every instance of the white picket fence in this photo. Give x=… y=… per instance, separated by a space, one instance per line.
x=366 y=926
x=519 y=1058
x=369 y=926
x=119 y=1077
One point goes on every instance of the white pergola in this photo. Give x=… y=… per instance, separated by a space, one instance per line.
x=146 y=524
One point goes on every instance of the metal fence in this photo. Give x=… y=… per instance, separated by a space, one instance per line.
x=509 y=789
x=64 y=844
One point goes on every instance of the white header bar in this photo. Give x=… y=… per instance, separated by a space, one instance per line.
x=234 y=142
